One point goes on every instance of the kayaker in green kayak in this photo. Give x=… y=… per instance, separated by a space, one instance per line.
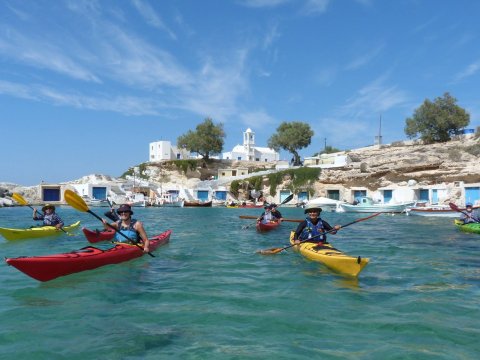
x=313 y=226
x=49 y=216
x=470 y=216
x=132 y=228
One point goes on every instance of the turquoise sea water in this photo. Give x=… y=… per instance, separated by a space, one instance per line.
x=208 y=295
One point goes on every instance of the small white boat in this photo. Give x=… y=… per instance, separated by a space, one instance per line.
x=434 y=210
x=367 y=205
x=168 y=200
x=325 y=203
x=95 y=202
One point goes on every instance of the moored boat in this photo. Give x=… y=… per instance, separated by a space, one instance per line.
x=96 y=235
x=433 y=210
x=325 y=203
x=367 y=205
x=332 y=258
x=49 y=267
x=469 y=228
x=35 y=232
x=197 y=203
x=262 y=227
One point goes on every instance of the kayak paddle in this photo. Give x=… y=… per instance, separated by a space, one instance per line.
x=456 y=208
x=287 y=199
x=274 y=251
x=21 y=200
x=79 y=204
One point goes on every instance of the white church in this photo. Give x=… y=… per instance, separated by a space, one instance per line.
x=249 y=152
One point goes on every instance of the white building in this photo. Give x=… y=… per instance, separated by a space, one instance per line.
x=249 y=152
x=163 y=150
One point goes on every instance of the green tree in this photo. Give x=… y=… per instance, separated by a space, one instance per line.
x=437 y=121
x=291 y=136
x=207 y=140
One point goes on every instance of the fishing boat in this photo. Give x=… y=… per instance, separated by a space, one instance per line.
x=469 y=228
x=330 y=257
x=96 y=235
x=36 y=232
x=168 y=199
x=263 y=227
x=433 y=210
x=49 y=267
x=197 y=203
x=367 y=205
x=325 y=203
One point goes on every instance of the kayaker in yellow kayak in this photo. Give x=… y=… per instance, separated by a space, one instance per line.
x=49 y=216
x=313 y=226
x=132 y=228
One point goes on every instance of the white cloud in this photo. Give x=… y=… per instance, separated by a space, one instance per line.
x=259 y=119
x=470 y=70
x=152 y=17
x=373 y=98
x=263 y=3
x=364 y=59
x=315 y=7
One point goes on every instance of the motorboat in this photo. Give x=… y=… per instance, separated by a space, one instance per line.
x=434 y=210
x=326 y=204
x=368 y=205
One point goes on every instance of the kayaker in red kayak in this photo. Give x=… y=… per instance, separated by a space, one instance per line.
x=49 y=217
x=267 y=216
x=313 y=226
x=132 y=228
x=277 y=214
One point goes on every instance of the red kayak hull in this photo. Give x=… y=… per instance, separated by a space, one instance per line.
x=95 y=236
x=268 y=226
x=49 y=267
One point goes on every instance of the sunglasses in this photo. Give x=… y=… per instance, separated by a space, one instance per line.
x=123 y=212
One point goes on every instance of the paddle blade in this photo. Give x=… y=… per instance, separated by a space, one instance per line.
x=454 y=207
x=272 y=251
x=287 y=199
x=75 y=201
x=19 y=199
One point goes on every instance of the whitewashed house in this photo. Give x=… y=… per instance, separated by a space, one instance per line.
x=164 y=150
x=249 y=152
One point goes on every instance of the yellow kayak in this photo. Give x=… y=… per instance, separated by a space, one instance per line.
x=332 y=258
x=35 y=232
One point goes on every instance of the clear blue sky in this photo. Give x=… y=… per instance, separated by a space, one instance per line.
x=85 y=86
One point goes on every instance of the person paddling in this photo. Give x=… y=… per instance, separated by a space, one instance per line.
x=313 y=226
x=49 y=217
x=470 y=216
x=267 y=215
x=132 y=228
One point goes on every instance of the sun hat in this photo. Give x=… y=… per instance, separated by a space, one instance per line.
x=48 y=206
x=312 y=207
x=125 y=208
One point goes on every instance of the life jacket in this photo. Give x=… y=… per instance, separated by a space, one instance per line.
x=127 y=231
x=312 y=231
x=50 y=220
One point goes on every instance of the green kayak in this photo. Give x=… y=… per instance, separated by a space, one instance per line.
x=35 y=232
x=470 y=228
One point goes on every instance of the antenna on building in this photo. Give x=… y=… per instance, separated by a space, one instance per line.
x=378 y=138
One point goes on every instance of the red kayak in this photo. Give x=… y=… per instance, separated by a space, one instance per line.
x=268 y=226
x=48 y=267
x=96 y=235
